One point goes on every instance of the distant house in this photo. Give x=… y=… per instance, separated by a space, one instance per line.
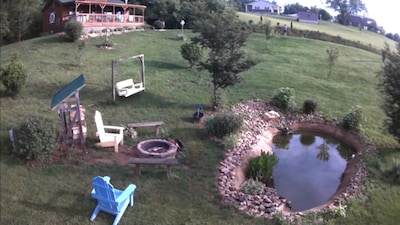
x=361 y=22
x=93 y=14
x=261 y=6
x=308 y=17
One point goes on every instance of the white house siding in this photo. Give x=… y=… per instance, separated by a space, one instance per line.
x=261 y=6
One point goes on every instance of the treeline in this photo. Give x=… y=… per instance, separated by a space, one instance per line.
x=22 y=19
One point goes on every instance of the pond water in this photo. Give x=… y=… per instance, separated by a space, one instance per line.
x=309 y=168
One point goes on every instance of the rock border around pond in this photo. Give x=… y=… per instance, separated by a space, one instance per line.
x=257 y=135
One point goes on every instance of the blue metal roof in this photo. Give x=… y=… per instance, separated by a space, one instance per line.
x=68 y=91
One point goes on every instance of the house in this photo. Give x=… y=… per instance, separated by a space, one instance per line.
x=361 y=22
x=93 y=14
x=262 y=6
x=308 y=17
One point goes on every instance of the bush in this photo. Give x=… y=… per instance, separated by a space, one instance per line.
x=210 y=126
x=352 y=120
x=229 y=141
x=192 y=53
x=14 y=76
x=284 y=98
x=309 y=106
x=261 y=167
x=73 y=30
x=35 y=139
x=251 y=186
x=159 y=24
x=394 y=172
x=227 y=123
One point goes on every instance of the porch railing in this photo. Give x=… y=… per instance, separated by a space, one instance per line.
x=98 y=18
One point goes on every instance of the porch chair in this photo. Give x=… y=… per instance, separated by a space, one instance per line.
x=108 y=139
x=110 y=199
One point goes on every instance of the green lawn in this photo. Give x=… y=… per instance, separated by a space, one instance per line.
x=335 y=29
x=60 y=193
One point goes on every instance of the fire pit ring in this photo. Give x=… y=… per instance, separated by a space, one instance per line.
x=157 y=148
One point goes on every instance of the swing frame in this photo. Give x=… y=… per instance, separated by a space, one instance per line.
x=113 y=71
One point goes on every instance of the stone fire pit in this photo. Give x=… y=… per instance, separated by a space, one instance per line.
x=157 y=148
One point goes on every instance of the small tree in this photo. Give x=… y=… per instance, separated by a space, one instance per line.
x=81 y=47
x=73 y=29
x=192 y=53
x=333 y=55
x=389 y=86
x=14 y=76
x=223 y=34
x=267 y=32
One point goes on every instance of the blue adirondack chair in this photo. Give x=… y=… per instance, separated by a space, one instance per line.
x=110 y=199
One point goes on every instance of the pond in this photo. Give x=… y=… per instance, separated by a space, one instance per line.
x=309 y=169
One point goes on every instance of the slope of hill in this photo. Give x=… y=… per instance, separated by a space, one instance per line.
x=334 y=29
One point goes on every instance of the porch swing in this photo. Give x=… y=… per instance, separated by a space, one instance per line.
x=128 y=87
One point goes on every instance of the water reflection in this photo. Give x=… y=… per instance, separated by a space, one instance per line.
x=323 y=151
x=309 y=170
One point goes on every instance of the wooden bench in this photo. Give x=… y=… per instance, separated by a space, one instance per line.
x=156 y=124
x=153 y=161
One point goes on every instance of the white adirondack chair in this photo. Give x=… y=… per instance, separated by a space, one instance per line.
x=108 y=139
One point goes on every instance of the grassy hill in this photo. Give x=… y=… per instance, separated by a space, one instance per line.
x=335 y=29
x=60 y=194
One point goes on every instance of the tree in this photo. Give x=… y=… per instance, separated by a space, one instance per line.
x=345 y=8
x=389 y=86
x=294 y=8
x=333 y=55
x=223 y=34
x=20 y=16
x=4 y=24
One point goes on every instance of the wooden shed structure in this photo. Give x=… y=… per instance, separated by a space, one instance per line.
x=71 y=112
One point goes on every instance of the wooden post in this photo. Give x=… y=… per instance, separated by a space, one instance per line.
x=113 y=79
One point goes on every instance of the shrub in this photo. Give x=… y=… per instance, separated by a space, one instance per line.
x=14 y=76
x=192 y=53
x=284 y=98
x=261 y=167
x=229 y=141
x=309 y=106
x=210 y=126
x=73 y=30
x=251 y=186
x=35 y=139
x=159 y=24
x=352 y=120
x=227 y=123
x=394 y=172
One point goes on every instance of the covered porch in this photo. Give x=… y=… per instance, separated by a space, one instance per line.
x=107 y=14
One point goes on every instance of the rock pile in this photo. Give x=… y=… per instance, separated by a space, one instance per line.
x=268 y=202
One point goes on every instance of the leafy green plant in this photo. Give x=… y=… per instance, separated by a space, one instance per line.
x=14 y=76
x=210 y=126
x=284 y=98
x=229 y=141
x=394 y=172
x=309 y=106
x=73 y=30
x=251 y=186
x=261 y=167
x=35 y=139
x=352 y=120
x=159 y=24
x=227 y=123
x=192 y=53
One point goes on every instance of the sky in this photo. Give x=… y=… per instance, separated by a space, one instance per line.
x=384 y=12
